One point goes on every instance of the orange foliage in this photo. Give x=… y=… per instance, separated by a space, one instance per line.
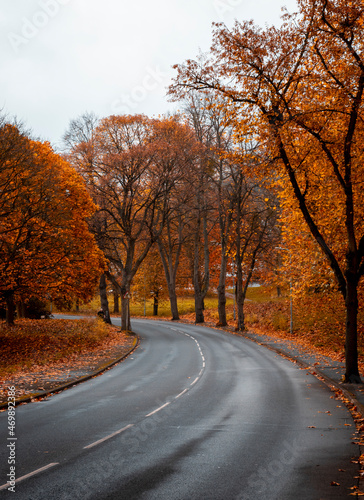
x=300 y=88
x=45 y=246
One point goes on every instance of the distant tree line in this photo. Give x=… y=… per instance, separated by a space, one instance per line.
x=171 y=189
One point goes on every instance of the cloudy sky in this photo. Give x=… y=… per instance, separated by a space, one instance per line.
x=61 y=58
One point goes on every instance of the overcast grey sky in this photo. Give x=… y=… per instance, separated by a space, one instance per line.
x=61 y=58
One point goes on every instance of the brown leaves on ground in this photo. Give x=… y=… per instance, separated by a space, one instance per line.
x=41 y=354
x=356 y=492
x=319 y=325
x=358 y=439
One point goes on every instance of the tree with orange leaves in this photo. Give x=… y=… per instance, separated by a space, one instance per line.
x=46 y=249
x=300 y=87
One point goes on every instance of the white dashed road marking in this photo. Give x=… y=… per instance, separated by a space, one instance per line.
x=102 y=440
x=108 y=437
x=38 y=471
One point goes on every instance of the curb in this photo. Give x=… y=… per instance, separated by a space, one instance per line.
x=60 y=388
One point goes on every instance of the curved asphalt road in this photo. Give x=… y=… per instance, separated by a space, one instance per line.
x=192 y=414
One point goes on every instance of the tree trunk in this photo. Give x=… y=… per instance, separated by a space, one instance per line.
x=170 y=272
x=351 y=347
x=155 y=304
x=10 y=309
x=125 y=314
x=201 y=284
x=116 y=302
x=241 y=289
x=240 y=294
x=221 y=291
x=173 y=302
x=240 y=300
x=103 y=298
x=199 y=308
x=20 y=309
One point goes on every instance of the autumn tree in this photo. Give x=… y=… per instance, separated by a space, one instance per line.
x=80 y=150
x=301 y=85
x=211 y=122
x=118 y=176
x=254 y=233
x=232 y=161
x=45 y=247
x=125 y=167
x=179 y=151
x=200 y=225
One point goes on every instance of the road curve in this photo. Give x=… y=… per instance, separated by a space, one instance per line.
x=192 y=414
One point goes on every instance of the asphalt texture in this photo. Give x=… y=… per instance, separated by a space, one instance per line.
x=333 y=371
x=192 y=414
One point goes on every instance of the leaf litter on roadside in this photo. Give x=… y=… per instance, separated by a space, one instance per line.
x=38 y=354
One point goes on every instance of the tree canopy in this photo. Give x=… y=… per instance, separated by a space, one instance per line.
x=46 y=248
x=299 y=88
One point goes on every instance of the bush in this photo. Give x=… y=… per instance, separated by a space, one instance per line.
x=36 y=309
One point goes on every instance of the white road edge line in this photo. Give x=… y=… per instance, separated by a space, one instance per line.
x=38 y=471
x=108 y=437
x=158 y=409
x=198 y=376
x=181 y=393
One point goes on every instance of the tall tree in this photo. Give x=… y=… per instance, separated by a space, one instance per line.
x=200 y=226
x=45 y=246
x=302 y=86
x=254 y=233
x=79 y=148
x=212 y=126
x=179 y=151
x=126 y=167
